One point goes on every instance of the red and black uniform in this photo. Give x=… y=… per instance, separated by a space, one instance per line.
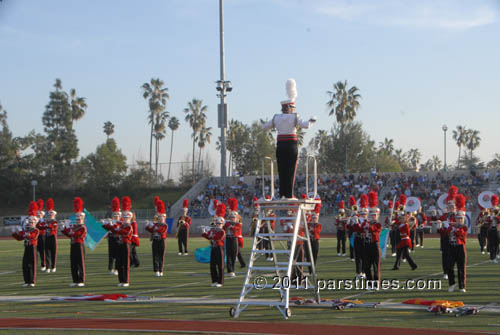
x=30 y=238
x=314 y=236
x=341 y=225
x=216 y=236
x=394 y=236
x=403 y=247
x=112 y=245
x=447 y=219
x=457 y=254
x=494 y=236
x=358 y=244
x=159 y=234
x=134 y=258
x=413 y=234
x=51 y=244
x=124 y=233
x=372 y=231
x=77 y=234
x=231 y=229
x=41 y=226
x=421 y=223
x=183 y=225
x=238 y=233
x=483 y=221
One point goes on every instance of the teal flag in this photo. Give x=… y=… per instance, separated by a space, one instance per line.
x=95 y=231
x=383 y=238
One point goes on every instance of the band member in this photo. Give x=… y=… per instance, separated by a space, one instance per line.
x=77 y=232
x=116 y=216
x=29 y=234
x=183 y=225
x=405 y=244
x=239 y=236
x=287 y=149
x=421 y=223
x=359 y=238
x=216 y=236
x=394 y=229
x=134 y=258
x=51 y=237
x=41 y=236
x=158 y=232
x=124 y=234
x=314 y=234
x=445 y=220
x=341 y=225
x=232 y=227
x=483 y=224
x=350 y=231
x=413 y=227
x=493 y=229
x=457 y=249
x=372 y=229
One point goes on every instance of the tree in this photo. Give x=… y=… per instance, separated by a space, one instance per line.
x=158 y=96
x=344 y=104
x=459 y=135
x=414 y=157
x=387 y=145
x=195 y=116
x=495 y=162
x=436 y=163
x=203 y=138
x=109 y=129
x=173 y=124
x=473 y=141
x=160 y=131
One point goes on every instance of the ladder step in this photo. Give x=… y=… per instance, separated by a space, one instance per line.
x=261 y=302
x=274 y=234
x=271 y=251
x=267 y=268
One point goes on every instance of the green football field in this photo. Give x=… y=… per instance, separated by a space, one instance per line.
x=186 y=278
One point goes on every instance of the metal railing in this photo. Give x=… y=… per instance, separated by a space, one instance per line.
x=272 y=177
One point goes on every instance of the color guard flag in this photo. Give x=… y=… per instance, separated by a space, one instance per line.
x=95 y=231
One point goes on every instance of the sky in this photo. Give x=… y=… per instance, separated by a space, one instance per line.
x=418 y=65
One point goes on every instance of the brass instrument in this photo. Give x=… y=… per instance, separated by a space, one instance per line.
x=412 y=222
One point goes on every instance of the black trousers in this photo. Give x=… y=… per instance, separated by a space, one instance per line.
x=457 y=255
x=404 y=253
x=341 y=241
x=297 y=270
x=420 y=237
x=158 y=246
x=482 y=237
x=395 y=238
x=493 y=243
x=112 y=252
x=41 y=249
x=372 y=261
x=315 y=251
x=231 y=252
x=123 y=262
x=358 y=253
x=51 y=251
x=182 y=240
x=29 y=264
x=412 y=238
x=77 y=258
x=445 y=258
x=134 y=258
x=217 y=264
x=240 y=258
x=351 y=247
x=286 y=155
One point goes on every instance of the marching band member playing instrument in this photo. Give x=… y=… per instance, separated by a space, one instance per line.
x=483 y=224
x=359 y=237
x=51 y=237
x=41 y=236
x=287 y=149
x=457 y=250
x=116 y=216
x=232 y=227
x=446 y=219
x=393 y=223
x=134 y=258
x=372 y=229
x=77 y=233
x=216 y=236
x=341 y=225
x=421 y=223
x=183 y=225
x=158 y=232
x=349 y=226
x=493 y=229
x=405 y=244
x=124 y=234
x=29 y=234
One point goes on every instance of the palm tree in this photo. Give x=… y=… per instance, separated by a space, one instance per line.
x=387 y=146
x=78 y=106
x=436 y=163
x=459 y=135
x=160 y=130
x=204 y=138
x=158 y=97
x=343 y=103
x=109 y=129
x=473 y=141
x=173 y=124
x=195 y=115
x=414 y=157
x=300 y=136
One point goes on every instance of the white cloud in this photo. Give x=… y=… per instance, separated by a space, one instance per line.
x=437 y=14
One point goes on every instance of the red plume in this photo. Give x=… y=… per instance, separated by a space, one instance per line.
x=255 y=198
x=317 y=208
x=215 y=203
x=363 y=201
x=126 y=204
x=452 y=193
x=372 y=199
x=233 y=205
x=397 y=204
x=342 y=204
x=77 y=205
x=157 y=198
x=221 y=210
x=39 y=204
x=352 y=201
x=494 y=200
x=32 y=209
x=185 y=203
x=402 y=199
x=390 y=204
x=115 y=204
x=303 y=196
x=50 y=204
x=160 y=207
x=460 y=202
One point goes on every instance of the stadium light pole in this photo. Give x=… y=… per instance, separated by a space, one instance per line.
x=34 y=183
x=445 y=128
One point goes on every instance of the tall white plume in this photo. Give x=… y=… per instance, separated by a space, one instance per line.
x=291 y=89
